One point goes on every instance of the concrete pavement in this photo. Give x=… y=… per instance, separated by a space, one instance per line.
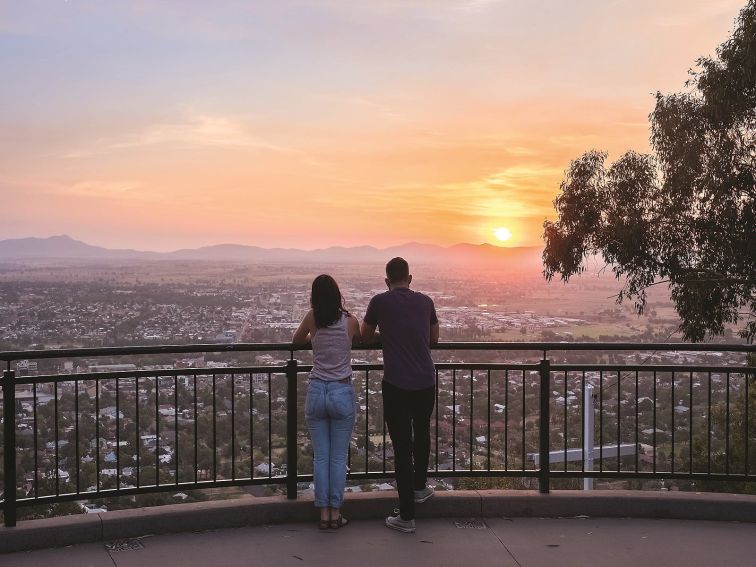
x=465 y=542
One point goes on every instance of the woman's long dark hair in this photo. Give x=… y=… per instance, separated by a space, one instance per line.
x=326 y=301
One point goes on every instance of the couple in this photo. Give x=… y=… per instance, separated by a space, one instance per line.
x=407 y=326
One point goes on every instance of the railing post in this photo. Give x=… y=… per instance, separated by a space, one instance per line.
x=291 y=428
x=545 y=413
x=9 y=447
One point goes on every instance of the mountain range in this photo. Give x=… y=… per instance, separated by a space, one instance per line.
x=64 y=247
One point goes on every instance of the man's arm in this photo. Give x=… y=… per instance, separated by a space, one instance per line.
x=434 y=330
x=370 y=323
x=369 y=334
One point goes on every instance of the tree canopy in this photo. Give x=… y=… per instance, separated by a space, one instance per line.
x=685 y=214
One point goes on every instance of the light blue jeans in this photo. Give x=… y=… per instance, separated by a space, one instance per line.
x=329 y=412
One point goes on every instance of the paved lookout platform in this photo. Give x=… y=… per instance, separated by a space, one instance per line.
x=454 y=528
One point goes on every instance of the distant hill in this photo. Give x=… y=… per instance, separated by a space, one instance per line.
x=64 y=247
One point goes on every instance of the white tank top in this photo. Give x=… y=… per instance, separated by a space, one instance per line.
x=332 y=352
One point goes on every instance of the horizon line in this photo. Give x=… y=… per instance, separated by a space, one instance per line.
x=282 y=248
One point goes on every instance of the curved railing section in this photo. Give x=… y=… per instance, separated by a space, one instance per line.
x=73 y=435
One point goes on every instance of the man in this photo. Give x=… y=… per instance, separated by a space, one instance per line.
x=407 y=325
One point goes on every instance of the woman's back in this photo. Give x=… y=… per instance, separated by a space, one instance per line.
x=332 y=351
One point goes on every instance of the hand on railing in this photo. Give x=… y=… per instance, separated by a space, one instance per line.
x=374 y=341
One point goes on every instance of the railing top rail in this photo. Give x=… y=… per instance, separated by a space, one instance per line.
x=577 y=346
x=9 y=356
x=609 y=369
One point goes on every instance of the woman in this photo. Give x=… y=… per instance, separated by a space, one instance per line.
x=329 y=407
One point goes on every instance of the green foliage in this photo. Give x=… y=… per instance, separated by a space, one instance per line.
x=685 y=215
x=741 y=458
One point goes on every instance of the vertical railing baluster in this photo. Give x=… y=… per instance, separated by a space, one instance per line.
x=472 y=447
x=488 y=430
x=291 y=428
x=523 y=421
x=637 y=445
x=727 y=425
x=582 y=424
x=9 y=447
x=157 y=430
x=745 y=436
x=138 y=439
x=118 y=435
x=454 y=419
x=57 y=439
x=233 y=427
x=175 y=429
x=437 y=386
x=506 y=419
x=383 y=420
x=619 y=399
x=367 y=421
x=36 y=441
x=545 y=414
x=97 y=431
x=76 y=428
x=601 y=420
x=251 y=427
x=654 y=424
x=270 y=425
x=672 y=461
x=690 y=422
x=196 y=431
x=215 y=433
x=565 y=421
x=708 y=433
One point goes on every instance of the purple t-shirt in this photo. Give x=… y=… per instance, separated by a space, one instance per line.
x=404 y=318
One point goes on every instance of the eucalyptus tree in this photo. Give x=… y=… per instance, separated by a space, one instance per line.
x=685 y=214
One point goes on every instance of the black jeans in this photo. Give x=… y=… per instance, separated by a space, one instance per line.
x=407 y=414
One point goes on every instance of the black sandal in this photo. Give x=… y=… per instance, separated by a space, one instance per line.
x=339 y=522
x=324 y=524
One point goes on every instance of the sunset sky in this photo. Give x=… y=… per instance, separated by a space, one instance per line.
x=162 y=125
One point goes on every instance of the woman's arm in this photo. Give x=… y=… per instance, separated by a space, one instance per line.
x=303 y=334
x=353 y=326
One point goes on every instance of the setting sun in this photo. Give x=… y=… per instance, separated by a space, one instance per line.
x=503 y=233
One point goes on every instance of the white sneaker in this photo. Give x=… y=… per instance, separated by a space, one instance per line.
x=395 y=522
x=423 y=495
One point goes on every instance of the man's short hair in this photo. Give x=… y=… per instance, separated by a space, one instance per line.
x=397 y=270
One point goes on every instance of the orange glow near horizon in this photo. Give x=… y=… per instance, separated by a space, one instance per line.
x=343 y=124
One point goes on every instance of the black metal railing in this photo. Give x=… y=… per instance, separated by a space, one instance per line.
x=84 y=435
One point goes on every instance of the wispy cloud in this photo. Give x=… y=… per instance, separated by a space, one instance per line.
x=520 y=151
x=88 y=189
x=201 y=130
x=118 y=189
x=517 y=191
x=192 y=131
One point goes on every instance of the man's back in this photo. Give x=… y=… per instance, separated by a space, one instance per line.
x=404 y=319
